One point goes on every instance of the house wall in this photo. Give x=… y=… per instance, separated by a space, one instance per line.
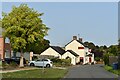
x=1 y=48
x=74 y=47
x=87 y=59
x=68 y=54
x=51 y=52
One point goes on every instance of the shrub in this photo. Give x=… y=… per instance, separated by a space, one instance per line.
x=5 y=65
x=106 y=59
x=66 y=62
x=61 y=62
x=97 y=58
x=56 y=60
x=13 y=64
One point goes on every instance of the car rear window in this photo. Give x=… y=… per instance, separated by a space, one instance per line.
x=44 y=60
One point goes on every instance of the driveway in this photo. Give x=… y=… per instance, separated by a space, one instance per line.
x=89 y=71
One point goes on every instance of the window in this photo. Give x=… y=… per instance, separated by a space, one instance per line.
x=44 y=60
x=80 y=47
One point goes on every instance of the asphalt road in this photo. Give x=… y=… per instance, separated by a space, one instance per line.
x=89 y=71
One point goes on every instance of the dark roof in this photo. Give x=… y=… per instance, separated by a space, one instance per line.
x=72 y=52
x=82 y=43
x=58 y=49
x=79 y=42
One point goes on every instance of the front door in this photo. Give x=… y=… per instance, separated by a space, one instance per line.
x=81 y=60
x=90 y=59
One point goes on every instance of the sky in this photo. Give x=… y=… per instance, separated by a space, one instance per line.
x=95 y=22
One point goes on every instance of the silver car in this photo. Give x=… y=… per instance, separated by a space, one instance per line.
x=41 y=62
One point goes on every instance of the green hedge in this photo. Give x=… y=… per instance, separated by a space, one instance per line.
x=61 y=62
x=106 y=59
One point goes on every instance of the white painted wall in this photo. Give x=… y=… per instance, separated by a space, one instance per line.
x=68 y=54
x=74 y=47
x=51 y=52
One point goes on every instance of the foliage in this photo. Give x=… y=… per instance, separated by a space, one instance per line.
x=4 y=65
x=61 y=62
x=106 y=59
x=23 y=26
x=110 y=69
x=97 y=58
x=39 y=46
x=13 y=64
x=113 y=49
x=37 y=73
x=95 y=49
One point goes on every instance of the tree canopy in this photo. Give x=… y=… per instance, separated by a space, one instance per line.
x=23 y=26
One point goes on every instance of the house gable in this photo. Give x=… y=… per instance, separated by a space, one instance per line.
x=53 y=51
x=50 y=52
x=74 y=45
x=58 y=49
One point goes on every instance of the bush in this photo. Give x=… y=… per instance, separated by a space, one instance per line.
x=106 y=59
x=66 y=62
x=61 y=62
x=5 y=65
x=56 y=60
x=97 y=58
x=13 y=64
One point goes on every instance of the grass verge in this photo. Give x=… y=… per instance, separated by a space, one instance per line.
x=110 y=69
x=37 y=73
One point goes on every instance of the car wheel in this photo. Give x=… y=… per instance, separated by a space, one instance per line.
x=32 y=64
x=48 y=66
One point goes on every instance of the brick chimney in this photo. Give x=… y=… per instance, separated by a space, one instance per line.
x=80 y=39
x=74 y=37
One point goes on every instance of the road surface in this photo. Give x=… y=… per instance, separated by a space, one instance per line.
x=89 y=71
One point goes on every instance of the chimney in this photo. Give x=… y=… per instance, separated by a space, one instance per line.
x=74 y=37
x=80 y=39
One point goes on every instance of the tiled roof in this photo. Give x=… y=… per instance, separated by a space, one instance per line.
x=58 y=49
x=72 y=52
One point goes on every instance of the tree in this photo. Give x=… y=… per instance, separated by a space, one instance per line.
x=106 y=59
x=39 y=46
x=113 y=49
x=23 y=26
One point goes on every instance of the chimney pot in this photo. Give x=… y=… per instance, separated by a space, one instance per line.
x=74 y=37
x=80 y=39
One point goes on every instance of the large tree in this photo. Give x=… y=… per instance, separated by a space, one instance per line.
x=23 y=26
x=39 y=46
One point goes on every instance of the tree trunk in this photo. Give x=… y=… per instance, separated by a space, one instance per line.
x=21 y=60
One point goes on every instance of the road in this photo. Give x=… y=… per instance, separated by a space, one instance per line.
x=89 y=71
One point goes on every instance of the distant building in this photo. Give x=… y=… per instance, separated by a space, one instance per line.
x=75 y=49
x=1 y=48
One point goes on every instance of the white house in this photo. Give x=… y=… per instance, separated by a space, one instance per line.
x=55 y=51
x=85 y=56
x=75 y=49
x=72 y=55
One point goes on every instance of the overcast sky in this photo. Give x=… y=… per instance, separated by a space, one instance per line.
x=96 y=22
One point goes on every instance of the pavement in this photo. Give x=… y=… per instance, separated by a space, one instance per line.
x=89 y=71
x=19 y=69
x=28 y=68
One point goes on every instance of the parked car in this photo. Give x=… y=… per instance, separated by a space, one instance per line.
x=14 y=59
x=41 y=62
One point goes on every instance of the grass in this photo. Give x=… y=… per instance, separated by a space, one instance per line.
x=37 y=73
x=0 y=63
x=110 y=69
